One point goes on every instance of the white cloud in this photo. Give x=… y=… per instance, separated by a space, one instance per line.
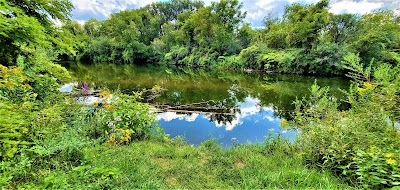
x=269 y=118
x=348 y=6
x=169 y=116
x=81 y=22
x=304 y=1
x=101 y=9
x=256 y=9
x=249 y=107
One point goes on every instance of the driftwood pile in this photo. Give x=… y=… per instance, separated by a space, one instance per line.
x=208 y=107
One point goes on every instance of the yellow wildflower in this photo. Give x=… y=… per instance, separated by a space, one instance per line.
x=284 y=123
x=391 y=161
x=109 y=107
x=389 y=155
x=105 y=95
x=111 y=140
x=361 y=90
x=368 y=86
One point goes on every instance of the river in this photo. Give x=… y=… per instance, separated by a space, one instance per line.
x=232 y=107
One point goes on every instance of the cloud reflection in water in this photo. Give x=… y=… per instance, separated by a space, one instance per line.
x=251 y=123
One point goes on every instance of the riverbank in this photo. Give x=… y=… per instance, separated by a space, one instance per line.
x=152 y=165
x=49 y=141
x=115 y=144
x=174 y=165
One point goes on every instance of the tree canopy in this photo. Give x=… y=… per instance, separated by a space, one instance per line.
x=306 y=39
x=28 y=23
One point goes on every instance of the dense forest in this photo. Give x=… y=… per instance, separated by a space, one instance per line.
x=306 y=39
x=49 y=140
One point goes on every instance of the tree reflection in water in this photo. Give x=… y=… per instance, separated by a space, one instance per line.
x=196 y=102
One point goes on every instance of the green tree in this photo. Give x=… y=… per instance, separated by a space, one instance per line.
x=377 y=37
x=26 y=22
x=341 y=27
x=228 y=14
x=306 y=23
x=92 y=28
x=169 y=11
x=245 y=35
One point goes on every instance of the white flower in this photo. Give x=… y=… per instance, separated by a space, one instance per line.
x=118 y=118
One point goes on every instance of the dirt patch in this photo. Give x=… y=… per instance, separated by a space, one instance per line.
x=162 y=162
x=204 y=159
x=239 y=164
x=171 y=181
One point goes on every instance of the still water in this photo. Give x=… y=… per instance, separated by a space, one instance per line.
x=200 y=104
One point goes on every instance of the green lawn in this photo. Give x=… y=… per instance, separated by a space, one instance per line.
x=153 y=165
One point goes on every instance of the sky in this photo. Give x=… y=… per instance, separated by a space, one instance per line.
x=256 y=9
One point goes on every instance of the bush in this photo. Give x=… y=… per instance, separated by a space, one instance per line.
x=250 y=57
x=231 y=62
x=360 y=144
x=326 y=59
x=280 y=61
x=39 y=129
x=120 y=118
x=14 y=84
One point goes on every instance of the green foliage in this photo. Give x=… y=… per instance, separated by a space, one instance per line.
x=176 y=165
x=341 y=28
x=357 y=71
x=177 y=54
x=307 y=39
x=26 y=22
x=232 y=62
x=376 y=34
x=281 y=61
x=43 y=133
x=305 y=23
x=359 y=144
x=14 y=127
x=127 y=113
x=326 y=58
x=86 y=177
x=249 y=56
x=42 y=142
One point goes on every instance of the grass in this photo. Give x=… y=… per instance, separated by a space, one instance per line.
x=153 y=165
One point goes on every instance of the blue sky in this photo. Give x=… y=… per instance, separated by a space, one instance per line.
x=256 y=9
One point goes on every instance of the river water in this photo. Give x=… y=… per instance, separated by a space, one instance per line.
x=231 y=107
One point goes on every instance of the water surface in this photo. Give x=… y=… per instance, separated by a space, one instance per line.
x=200 y=104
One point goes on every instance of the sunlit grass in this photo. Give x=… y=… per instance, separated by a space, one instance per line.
x=159 y=165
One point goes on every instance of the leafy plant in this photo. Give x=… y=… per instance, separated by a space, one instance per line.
x=360 y=144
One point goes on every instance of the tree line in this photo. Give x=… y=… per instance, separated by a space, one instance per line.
x=306 y=39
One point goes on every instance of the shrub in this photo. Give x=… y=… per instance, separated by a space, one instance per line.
x=14 y=84
x=231 y=62
x=281 y=61
x=360 y=144
x=121 y=117
x=249 y=56
x=176 y=54
x=326 y=59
